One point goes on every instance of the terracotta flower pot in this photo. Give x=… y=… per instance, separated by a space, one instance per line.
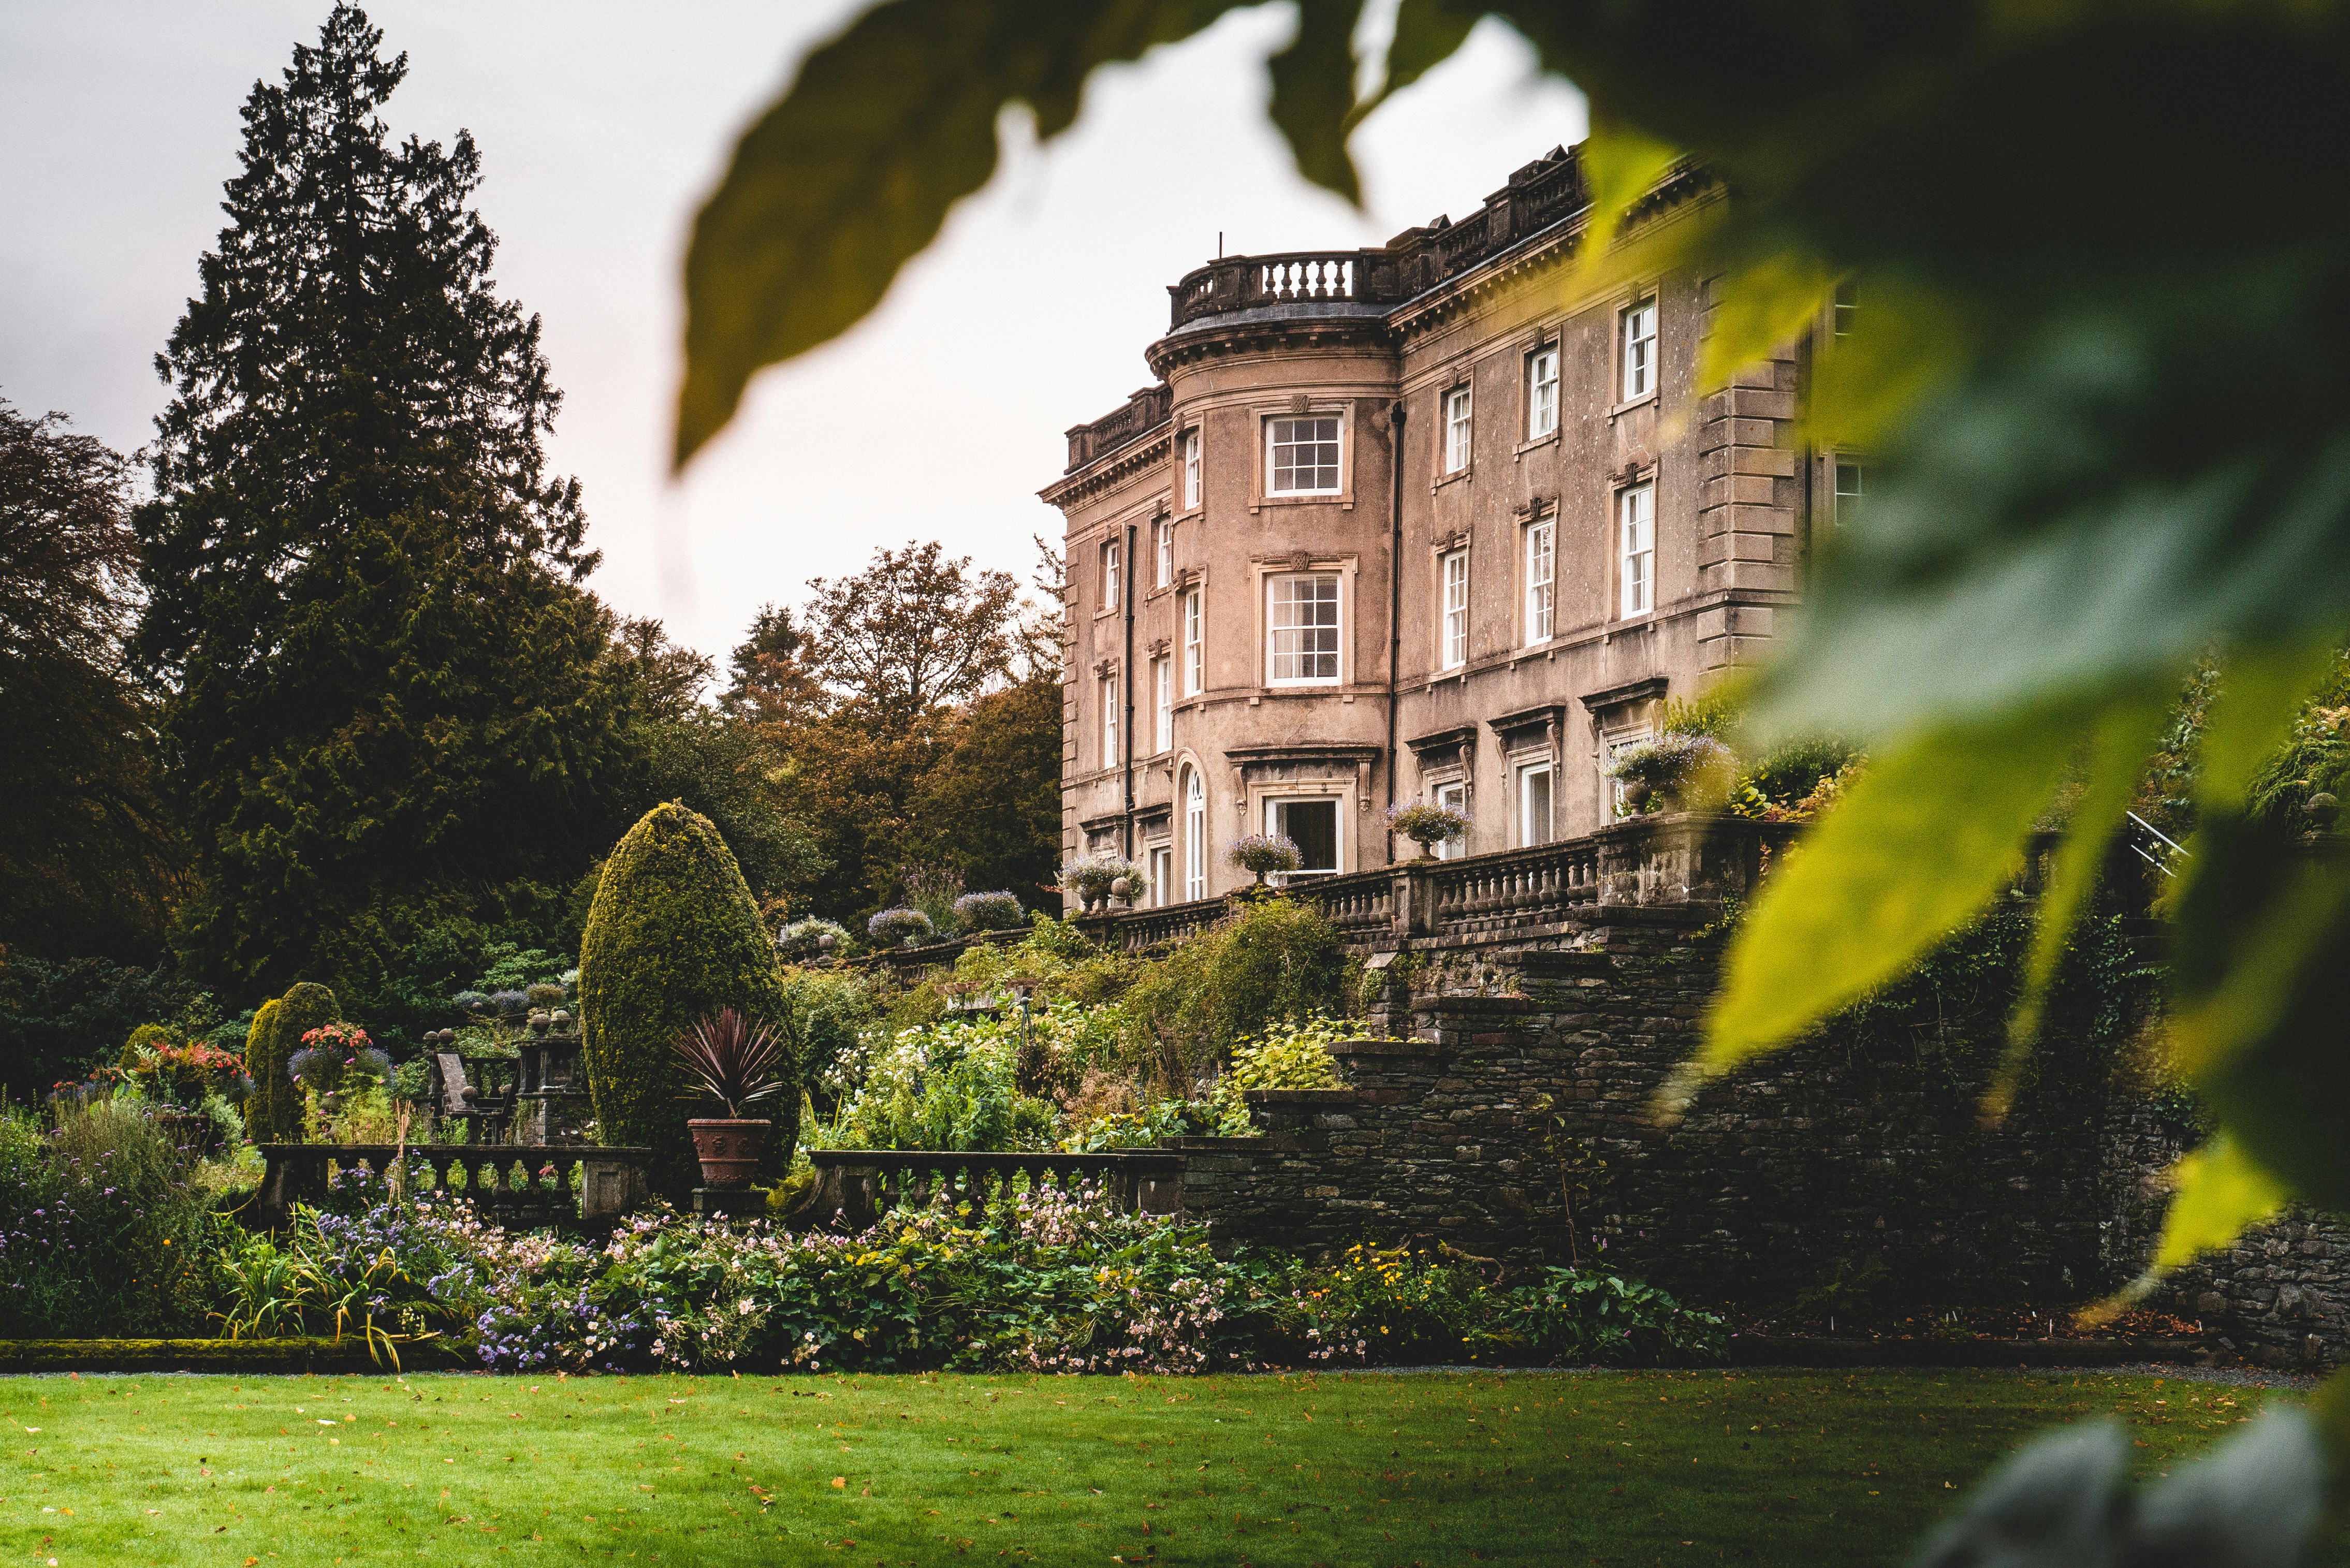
x=729 y=1149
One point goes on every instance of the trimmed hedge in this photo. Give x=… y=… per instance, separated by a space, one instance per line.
x=259 y=1356
x=672 y=937
x=275 y=1115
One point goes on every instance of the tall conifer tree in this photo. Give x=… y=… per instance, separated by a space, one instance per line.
x=390 y=701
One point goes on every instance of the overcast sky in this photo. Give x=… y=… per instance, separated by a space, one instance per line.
x=601 y=126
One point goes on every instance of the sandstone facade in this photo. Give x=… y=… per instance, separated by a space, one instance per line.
x=1442 y=518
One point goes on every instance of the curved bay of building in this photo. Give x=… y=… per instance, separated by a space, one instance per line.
x=1442 y=519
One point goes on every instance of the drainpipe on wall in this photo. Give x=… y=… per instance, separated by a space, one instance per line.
x=1394 y=588
x=1126 y=678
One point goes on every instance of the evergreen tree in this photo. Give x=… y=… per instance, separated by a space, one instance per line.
x=389 y=701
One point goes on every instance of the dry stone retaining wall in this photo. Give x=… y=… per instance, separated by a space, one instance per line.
x=1502 y=1106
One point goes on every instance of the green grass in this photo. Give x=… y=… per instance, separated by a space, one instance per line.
x=1623 y=1468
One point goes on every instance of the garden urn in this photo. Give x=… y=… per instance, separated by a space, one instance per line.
x=728 y=1148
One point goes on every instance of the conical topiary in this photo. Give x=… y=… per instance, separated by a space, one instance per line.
x=275 y=1114
x=672 y=937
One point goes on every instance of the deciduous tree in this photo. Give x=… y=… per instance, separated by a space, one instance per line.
x=89 y=860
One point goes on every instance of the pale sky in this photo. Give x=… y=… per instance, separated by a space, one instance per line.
x=602 y=125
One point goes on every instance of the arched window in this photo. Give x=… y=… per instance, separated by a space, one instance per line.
x=1195 y=835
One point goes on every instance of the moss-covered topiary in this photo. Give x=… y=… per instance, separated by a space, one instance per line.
x=672 y=937
x=275 y=1113
x=257 y=1041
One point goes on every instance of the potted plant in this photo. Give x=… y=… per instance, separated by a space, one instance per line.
x=1266 y=853
x=901 y=926
x=1095 y=881
x=1673 y=773
x=989 y=912
x=1426 y=825
x=737 y=1062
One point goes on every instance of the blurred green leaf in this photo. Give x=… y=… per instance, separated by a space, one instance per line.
x=2253 y=1502
x=1313 y=94
x=1929 y=834
x=1621 y=164
x=852 y=173
x=1427 y=33
x=1758 y=309
x=2061 y=1502
x=2261 y=945
x=2260 y=690
x=2216 y=1192
x=2117 y=753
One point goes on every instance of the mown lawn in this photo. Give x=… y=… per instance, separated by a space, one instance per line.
x=1614 y=1467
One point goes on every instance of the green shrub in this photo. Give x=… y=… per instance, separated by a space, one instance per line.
x=945 y=1087
x=1294 y=1055
x=672 y=937
x=145 y=1035
x=101 y=1223
x=1273 y=959
x=824 y=1011
x=274 y=1114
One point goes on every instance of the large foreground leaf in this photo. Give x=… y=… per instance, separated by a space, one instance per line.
x=852 y=173
x=1930 y=832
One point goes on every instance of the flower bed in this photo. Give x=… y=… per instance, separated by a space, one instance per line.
x=1043 y=1280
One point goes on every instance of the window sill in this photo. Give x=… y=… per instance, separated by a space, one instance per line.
x=1305 y=498
x=1549 y=440
x=1456 y=476
x=1647 y=399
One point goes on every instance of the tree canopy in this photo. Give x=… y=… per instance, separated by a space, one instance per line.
x=90 y=861
x=386 y=700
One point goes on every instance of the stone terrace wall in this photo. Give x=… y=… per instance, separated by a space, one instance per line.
x=2280 y=1294
x=1500 y=1107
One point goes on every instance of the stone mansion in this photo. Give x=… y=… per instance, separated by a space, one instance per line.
x=1437 y=519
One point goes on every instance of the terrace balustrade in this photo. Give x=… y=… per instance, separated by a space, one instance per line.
x=857 y=1186
x=519 y=1185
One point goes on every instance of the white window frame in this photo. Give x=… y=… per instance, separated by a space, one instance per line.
x=1273 y=804
x=1452 y=794
x=1195 y=835
x=1163 y=538
x=1162 y=681
x=1542 y=392
x=1106 y=691
x=1162 y=873
x=1452 y=623
x=1336 y=627
x=1636 y=550
x=1542 y=579
x=1274 y=424
x=1110 y=573
x=1640 y=348
x=1195 y=644
x=1522 y=779
x=1845 y=312
x=1459 y=411
x=1192 y=469
x=1847 y=501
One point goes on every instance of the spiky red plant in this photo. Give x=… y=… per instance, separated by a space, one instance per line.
x=735 y=1060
